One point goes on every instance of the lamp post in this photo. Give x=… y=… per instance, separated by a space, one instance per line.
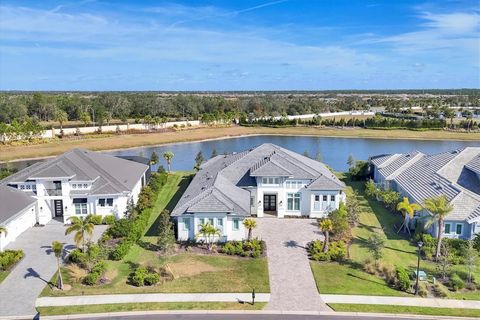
x=419 y=245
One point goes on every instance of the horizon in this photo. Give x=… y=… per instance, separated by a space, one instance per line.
x=239 y=46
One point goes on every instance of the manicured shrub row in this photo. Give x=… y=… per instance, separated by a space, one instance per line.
x=253 y=248
x=337 y=251
x=144 y=277
x=9 y=258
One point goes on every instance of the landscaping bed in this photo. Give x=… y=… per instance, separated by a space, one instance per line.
x=8 y=260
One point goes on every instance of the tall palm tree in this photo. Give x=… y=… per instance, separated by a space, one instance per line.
x=81 y=226
x=408 y=210
x=57 y=248
x=438 y=208
x=3 y=230
x=250 y=224
x=208 y=232
x=168 y=156
x=326 y=226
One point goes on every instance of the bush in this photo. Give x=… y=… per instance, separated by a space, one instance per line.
x=422 y=290
x=91 y=279
x=456 y=283
x=440 y=291
x=96 y=219
x=403 y=279
x=120 y=228
x=429 y=245
x=138 y=277
x=100 y=268
x=110 y=219
x=9 y=258
x=337 y=251
x=253 y=248
x=152 y=279
x=121 y=250
x=77 y=257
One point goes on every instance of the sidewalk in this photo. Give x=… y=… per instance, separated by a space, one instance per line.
x=150 y=297
x=402 y=301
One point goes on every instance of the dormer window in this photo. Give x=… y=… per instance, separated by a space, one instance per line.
x=270 y=180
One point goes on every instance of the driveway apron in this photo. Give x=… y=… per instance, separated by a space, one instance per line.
x=292 y=284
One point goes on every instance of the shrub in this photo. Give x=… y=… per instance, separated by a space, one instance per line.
x=138 y=277
x=422 y=290
x=456 y=283
x=120 y=228
x=403 y=279
x=429 y=245
x=96 y=219
x=91 y=279
x=151 y=279
x=337 y=251
x=110 y=219
x=370 y=267
x=77 y=257
x=440 y=291
x=9 y=258
x=100 y=268
x=121 y=250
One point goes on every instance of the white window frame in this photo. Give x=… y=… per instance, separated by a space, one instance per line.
x=294 y=196
x=235 y=221
x=186 y=222
x=81 y=209
x=461 y=229
x=449 y=228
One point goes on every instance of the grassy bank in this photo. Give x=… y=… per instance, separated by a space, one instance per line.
x=123 y=307
x=109 y=142
x=377 y=308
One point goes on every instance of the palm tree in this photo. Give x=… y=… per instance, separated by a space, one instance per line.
x=208 y=232
x=438 y=208
x=250 y=224
x=326 y=226
x=3 y=230
x=57 y=248
x=81 y=226
x=407 y=209
x=60 y=116
x=168 y=156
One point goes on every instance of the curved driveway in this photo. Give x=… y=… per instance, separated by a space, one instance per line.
x=292 y=285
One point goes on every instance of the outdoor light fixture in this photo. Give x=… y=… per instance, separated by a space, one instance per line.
x=419 y=245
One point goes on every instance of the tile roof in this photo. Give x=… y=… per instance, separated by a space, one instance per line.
x=474 y=165
x=225 y=176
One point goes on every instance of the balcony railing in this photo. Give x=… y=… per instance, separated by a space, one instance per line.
x=54 y=192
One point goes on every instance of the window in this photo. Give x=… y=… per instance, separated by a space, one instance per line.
x=109 y=202
x=293 y=201
x=34 y=187
x=264 y=180
x=80 y=206
x=22 y=187
x=458 y=228
x=294 y=184
x=202 y=220
x=210 y=220
x=447 y=228
x=236 y=224
x=29 y=187
x=186 y=224
x=74 y=186
x=317 y=198
x=252 y=201
x=325 y=198
x=332 y=198
x=220 y=222
x=101 y=202
x=271 y=181
x=85 y=186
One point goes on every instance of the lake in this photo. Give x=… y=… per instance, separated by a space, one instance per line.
x=332 y=151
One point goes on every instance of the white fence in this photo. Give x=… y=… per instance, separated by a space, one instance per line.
x=326 y=114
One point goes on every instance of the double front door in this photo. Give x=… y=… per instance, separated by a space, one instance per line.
x=269 y=202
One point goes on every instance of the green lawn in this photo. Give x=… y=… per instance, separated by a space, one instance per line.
x=51 y=311
x=377 y=308
x=194 y=272
x=3 y=275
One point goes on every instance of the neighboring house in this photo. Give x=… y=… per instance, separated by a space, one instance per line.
x=265 y=181
x=17 y=213
x=76 y=183
x=454 y=174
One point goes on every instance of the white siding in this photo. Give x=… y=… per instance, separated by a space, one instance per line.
x=26 y=219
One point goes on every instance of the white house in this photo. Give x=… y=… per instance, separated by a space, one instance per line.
x=76 y=183
x=266 y=181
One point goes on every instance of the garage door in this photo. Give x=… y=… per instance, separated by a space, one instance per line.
x=20 y=224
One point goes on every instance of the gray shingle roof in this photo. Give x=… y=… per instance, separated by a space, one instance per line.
x=400 y=161
x=219 y=180
x=111 y=175
x=12 y=202
x=474 y=165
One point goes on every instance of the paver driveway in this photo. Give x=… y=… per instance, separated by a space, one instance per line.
x=21 y=288
x=292 y=285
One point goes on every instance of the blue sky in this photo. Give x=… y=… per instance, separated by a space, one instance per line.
x=239 y=45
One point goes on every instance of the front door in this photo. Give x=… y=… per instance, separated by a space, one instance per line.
x=58 y=207
x=269 y=202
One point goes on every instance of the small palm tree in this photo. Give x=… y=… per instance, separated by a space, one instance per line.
x=81 y=226
x=408 y=210
x=326 y=226
x=250 y=224
x=208 y=232
x=3 y=230
x=168 y=156
x=57 y=248
x=61 y=117
x=438 y=208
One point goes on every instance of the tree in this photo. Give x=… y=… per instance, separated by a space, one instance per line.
x=60 y=116
x=408 y=210
x=390 y=198
x=154 y=158
x=326 y=227
x=85 y=118
x=57 y=248
x=439 y=208
x=340 y=222
x=371 y=189
x=375 y=244
x=3 y=230
x=214 y=153
x=168 y=156
x=208 y=232
x=444 y=262
x=80 y=225
x=198 y=160
x=351 y=160
x=250 y=224
x=353 y=209
x=318 y=156
x=449 y=114
x=471 y=256
x=166 y=236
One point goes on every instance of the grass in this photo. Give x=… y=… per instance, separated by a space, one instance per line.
x=3 y=275
x=195 y=272
x=122 y=307
x=109 y=142
x=377 y=308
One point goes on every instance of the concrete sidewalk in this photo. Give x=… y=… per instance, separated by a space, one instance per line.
x=150 y=297
x=402 y=301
